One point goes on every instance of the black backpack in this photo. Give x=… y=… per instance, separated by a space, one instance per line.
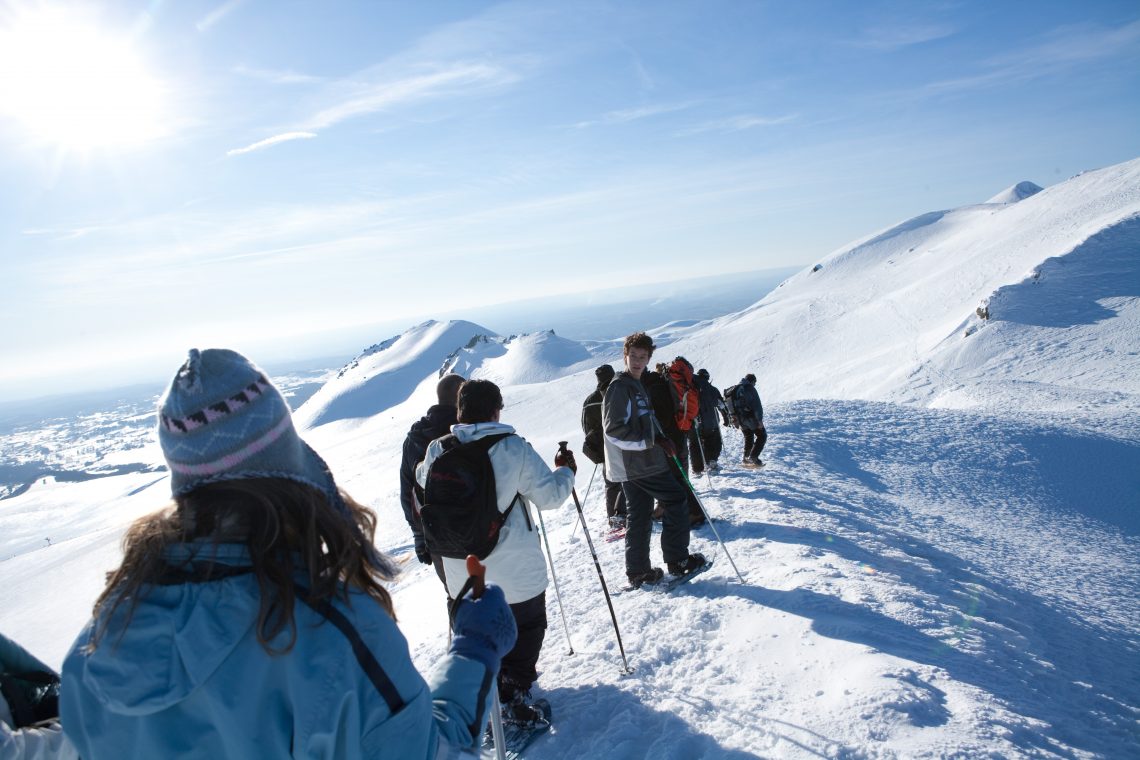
x=32 y=696
x=736 y=408
x=461 y=507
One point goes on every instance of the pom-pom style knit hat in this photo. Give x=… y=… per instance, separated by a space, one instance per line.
x=221 y=419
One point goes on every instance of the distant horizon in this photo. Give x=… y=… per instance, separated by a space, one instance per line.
x=273 y=356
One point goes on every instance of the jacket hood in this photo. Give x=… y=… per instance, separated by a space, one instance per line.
x=173 y=643
x=467 y=432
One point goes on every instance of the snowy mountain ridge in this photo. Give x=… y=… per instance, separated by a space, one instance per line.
x=940 y=559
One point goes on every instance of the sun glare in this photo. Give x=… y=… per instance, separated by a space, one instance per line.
x=73 y=85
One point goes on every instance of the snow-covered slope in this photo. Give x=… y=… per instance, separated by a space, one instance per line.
x=387 y=373
x=936 y=561
x=897 y=316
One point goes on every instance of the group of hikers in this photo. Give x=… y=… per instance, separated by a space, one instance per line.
x=249 y=617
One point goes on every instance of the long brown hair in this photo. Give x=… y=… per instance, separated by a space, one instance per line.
x=289 y=528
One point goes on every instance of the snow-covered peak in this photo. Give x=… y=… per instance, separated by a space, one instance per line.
x=387 y=373
x=1015 y=193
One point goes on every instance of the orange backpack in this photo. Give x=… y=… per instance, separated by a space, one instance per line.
x=686 y=397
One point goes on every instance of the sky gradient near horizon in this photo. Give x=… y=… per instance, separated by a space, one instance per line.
x=246 y=172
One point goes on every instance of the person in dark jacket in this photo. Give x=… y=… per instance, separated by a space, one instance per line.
x=637 y=456
x=750 y=412
x=594 y=445
x=437 y=422
x=706 y=445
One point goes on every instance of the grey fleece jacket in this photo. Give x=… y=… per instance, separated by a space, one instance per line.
x=628 y=425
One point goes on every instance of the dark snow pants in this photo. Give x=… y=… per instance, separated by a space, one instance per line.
x=518 y=669
x=639 y=496
x=705 y=441
x=754 y=441
x=615 y=499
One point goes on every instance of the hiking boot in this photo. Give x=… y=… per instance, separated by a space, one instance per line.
x=522 y=711
x=696 y=521
x=687 y=565
x=648 y=578
x=714 y=467
x=757 y=462
x=750 y=463
x=617 y=522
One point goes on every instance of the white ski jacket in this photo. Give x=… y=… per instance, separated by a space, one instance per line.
x=517 y=563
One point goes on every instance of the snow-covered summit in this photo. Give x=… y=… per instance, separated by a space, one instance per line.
x=387 y=373
x=1015 y=193
x=1031 y=305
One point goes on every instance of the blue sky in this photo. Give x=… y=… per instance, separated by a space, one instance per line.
x=255 y=173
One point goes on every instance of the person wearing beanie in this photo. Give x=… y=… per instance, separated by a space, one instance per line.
x=435 y=423
x=705 y=447
x=248 y=617
x=594 y=447
x=522 y=478
x=750 y=413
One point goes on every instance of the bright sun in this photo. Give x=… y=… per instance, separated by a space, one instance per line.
x=74 y=85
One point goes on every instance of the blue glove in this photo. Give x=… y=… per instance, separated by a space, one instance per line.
x=484 y=628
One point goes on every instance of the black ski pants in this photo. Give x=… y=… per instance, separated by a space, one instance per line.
x=754 y=441
x=639 y=496
x=706 y=441
x=518 y=670
x=615 y=499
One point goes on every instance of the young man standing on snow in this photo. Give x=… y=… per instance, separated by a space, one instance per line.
x=437 y=422
x=638 y=456
x=516 y=564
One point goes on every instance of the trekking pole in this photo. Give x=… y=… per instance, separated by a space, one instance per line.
x=598 y=567
x=700 y=504
x=557 y=591
x=476 y=573
x=701 y=448
x=587 y=496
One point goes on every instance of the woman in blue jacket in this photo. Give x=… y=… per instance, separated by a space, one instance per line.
x=248 y=618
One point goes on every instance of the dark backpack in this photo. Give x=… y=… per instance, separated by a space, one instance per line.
x=735 y=407
x=461 y=507
x=32 y=696
x=686 y=397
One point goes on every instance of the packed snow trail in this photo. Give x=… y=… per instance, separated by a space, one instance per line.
x=919 y=583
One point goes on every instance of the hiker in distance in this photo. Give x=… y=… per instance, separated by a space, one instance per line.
x=638 y=456
x=750 y=416
x=706 y=445
x=593 y=446
x=516 y=563
x=435 y=423
x=248 y=618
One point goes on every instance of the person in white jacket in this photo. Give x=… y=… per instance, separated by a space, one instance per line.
x=517 y=563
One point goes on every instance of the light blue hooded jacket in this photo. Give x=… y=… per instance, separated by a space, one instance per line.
x=188 y=678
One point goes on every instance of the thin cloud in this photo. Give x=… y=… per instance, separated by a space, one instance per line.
x=1068 y=47
x=271 y=141
x=737 y=124
x=889 y=38
x=627 y=115
x=277 y=77
x=457 y=79
x=218 y=14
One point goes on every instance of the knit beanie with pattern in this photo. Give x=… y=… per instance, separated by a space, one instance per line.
x=221 y=419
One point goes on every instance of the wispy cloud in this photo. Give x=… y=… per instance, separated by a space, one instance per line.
x=626 y=115
x=217 y=14
x=1064 y=49
x=737 y=124
x=358 y=98
x=271 y=141
x=277 y=77
x=888 y=38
